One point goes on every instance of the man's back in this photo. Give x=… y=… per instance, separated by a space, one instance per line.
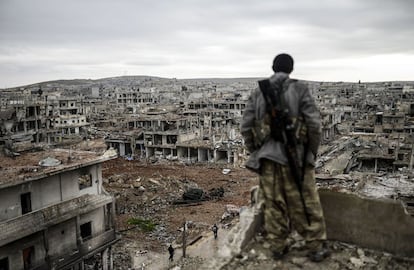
x=299 y=102
x=290 y=198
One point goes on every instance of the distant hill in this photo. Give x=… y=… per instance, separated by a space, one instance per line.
x=138 y=81
x=91 y=82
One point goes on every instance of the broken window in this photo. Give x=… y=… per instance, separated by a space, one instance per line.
x=411 y=109
x=157 y=139
x=28 y=255
x=171 y=139
x=26 y=203
x=30 y=111
x=86 y=230
x=85 y=180
x=4 y=264
x=31 y=124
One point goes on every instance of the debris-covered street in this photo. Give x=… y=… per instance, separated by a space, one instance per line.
x=151 y=211
x=150 y=206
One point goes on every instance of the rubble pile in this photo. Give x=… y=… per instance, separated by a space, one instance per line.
x=170 y=194
x=147 y=191
x=344 y=256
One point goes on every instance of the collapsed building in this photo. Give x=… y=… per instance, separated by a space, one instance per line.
x=193 y=121
x=31 y=120
x=367 y=128
x=54 y=212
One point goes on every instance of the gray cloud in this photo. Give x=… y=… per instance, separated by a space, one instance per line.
x=183 y=38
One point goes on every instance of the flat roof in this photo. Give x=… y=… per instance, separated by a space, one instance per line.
x=26 y=167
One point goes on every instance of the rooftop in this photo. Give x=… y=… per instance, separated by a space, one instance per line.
x=31 y=166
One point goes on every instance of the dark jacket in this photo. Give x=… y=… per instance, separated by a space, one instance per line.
x=300 y=103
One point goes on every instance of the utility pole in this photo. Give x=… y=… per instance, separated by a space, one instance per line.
x=184 y=237
x=410 y=167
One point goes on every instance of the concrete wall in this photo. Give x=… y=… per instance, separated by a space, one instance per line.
x=48 y=191
x=9 y=203
x=70 y=187
x=62 y=238
x=186 y=137
x=14 y=251
x=371 y=223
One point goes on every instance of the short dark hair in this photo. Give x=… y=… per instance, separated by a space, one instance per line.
x=283 y=62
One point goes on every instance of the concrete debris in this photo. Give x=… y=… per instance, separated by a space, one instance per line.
x=193 y=194
x=179 y=141
x=49 y=162
x=111 y=152
x=357 y=263
x=170 y=217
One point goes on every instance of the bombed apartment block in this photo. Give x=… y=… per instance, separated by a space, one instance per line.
x=21 y=124
x=29 y=121
x=136 y=98
x=69 y=122
x=178 y=133
x=163 y=131
x=128 y=143
x=54 y=212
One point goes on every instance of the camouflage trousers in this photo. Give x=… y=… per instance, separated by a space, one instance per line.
x=283 y=208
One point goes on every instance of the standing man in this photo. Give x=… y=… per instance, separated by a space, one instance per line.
x=282 y=128
x=215 y=229
x=171 y=251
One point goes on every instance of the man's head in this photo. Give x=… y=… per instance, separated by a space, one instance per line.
x=283 y=63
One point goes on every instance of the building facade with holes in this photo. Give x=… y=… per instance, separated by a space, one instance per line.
x=54 y=212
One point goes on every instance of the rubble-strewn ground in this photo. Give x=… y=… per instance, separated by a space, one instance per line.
x=343 y=256
x=148 y=192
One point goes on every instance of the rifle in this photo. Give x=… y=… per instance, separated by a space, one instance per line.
x=284 y=129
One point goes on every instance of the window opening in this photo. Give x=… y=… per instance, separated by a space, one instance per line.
x=26 y=202
x=4 y=264
x=85 y=181
x=28 y=255
x=86 y=230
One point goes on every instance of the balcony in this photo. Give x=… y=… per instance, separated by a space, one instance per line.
x=30 y=223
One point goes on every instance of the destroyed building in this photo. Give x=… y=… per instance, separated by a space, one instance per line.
x=54 y=212
x=367 y=130
x=36 y=120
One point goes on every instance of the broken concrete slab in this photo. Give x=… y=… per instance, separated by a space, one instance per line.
x=380 y=224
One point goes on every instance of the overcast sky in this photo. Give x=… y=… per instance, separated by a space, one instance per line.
x=348 y=40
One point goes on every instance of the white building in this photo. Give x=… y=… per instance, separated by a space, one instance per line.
x=54 y=212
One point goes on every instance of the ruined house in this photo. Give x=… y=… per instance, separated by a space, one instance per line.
x=32 y=120
x=54 y=212
x=69 y=119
